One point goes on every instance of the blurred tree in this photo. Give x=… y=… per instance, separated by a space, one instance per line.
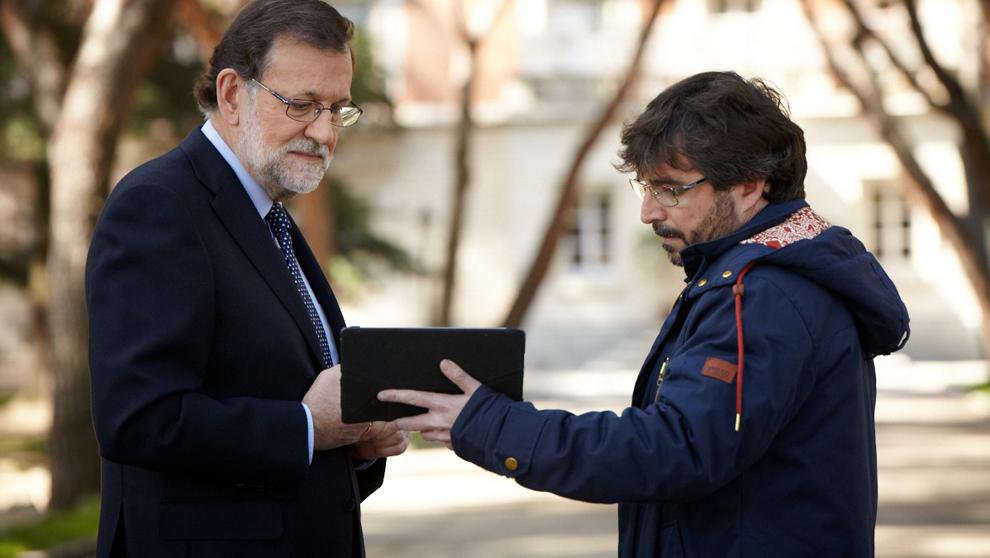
x=73 y=118
x=318 y=214
x=118 y=43
x=472 y=40
x=872 y=65
x=568 y=187
x=357 y=249
x=77 y=117
x=32 y=69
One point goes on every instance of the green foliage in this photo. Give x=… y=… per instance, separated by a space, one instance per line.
x=34 y=444
x=24 y=450
x=358 y=248
x=165 y=96
x=22 y=135
x=417 y=442
x=368 y=86
x=23 y=138
x=51 y=530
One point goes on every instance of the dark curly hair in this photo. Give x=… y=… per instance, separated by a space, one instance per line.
x=731 y=129
x=248 y=41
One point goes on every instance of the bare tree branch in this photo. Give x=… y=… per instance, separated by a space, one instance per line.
x=959 y=103
x=568 y=188
x=951 y=227
x=197 y=20
x=864 y=31
x=37 y=54
x=462 y=153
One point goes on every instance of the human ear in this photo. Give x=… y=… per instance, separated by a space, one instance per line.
x=751 y=193
x=229 y=87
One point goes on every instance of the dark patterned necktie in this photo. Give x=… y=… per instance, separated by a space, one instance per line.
x=278 y=222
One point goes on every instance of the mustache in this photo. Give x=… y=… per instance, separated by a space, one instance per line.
x=668 y=232
x=309 y=147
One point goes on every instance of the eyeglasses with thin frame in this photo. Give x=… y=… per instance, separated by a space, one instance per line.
x=305 y=110
x=666 y=194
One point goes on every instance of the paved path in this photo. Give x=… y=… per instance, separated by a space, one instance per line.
x=934 y=460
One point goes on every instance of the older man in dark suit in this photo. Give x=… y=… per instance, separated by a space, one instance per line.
x=213 y=341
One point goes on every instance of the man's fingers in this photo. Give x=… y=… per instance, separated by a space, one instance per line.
x=370 y=431
x=457 y=375
x=416 y=423
x=389 y=429
x=409 y=397
x=436 y=435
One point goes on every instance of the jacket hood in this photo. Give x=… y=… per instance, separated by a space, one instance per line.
x=791 y=235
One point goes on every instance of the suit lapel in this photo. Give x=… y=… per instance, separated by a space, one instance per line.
x=240 y=217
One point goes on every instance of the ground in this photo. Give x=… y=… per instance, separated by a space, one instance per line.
x=934 y=477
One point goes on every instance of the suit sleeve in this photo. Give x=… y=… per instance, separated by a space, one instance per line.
x=150 y=293
x=679 y=448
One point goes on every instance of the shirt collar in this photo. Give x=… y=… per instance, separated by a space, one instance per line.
x=258 y=196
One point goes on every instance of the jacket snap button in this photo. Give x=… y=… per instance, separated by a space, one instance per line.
x=702 y=282
x=350 y=505
x=726 y=274
x=511 y=463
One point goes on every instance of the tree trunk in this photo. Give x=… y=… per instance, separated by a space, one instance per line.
x=114 y=40
x=312 y=213
x=462 y=163
x=462 y=181
x=568 y=188
x=38 y=284
x=967 y=241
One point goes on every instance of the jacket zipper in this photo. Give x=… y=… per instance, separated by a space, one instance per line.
x=660 y=376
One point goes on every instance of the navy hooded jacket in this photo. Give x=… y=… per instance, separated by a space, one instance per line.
x=798 y=477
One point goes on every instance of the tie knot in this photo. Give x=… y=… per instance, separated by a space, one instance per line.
x=277 y=218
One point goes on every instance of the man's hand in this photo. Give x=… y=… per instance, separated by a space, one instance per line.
x=443 y=409
x=323 y=400
x=383 y=439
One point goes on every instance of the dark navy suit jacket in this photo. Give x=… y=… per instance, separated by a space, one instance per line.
x=201 y=351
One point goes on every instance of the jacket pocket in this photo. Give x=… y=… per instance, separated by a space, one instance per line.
x=206 y=520
x=670 y=540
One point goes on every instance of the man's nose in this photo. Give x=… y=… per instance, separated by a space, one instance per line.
x=651 y=210
x=322 y=131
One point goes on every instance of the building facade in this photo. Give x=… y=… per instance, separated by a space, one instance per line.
x=544 y=69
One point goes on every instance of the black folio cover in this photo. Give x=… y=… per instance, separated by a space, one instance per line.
x=374 y=359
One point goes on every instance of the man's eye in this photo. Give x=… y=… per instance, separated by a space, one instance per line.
x=335 y=108
x=300 y=106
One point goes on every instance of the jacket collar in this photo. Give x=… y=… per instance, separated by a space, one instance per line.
x=239 y=216
x=698 y=256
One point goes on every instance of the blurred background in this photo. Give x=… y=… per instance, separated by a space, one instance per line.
x=479 y=190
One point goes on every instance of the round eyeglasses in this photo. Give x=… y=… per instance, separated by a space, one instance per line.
x=666 y=194
x=304 y=110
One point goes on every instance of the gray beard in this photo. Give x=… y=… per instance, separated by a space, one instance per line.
x=279 y=177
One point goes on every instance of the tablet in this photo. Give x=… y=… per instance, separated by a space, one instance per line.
x=374 y=359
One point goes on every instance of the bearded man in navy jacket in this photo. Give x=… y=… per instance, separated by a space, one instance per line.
x=213 y=331
x=751 y=429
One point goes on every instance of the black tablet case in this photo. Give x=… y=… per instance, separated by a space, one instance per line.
x=374 y=359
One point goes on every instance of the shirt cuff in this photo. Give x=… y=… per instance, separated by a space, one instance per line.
x=309 y=430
